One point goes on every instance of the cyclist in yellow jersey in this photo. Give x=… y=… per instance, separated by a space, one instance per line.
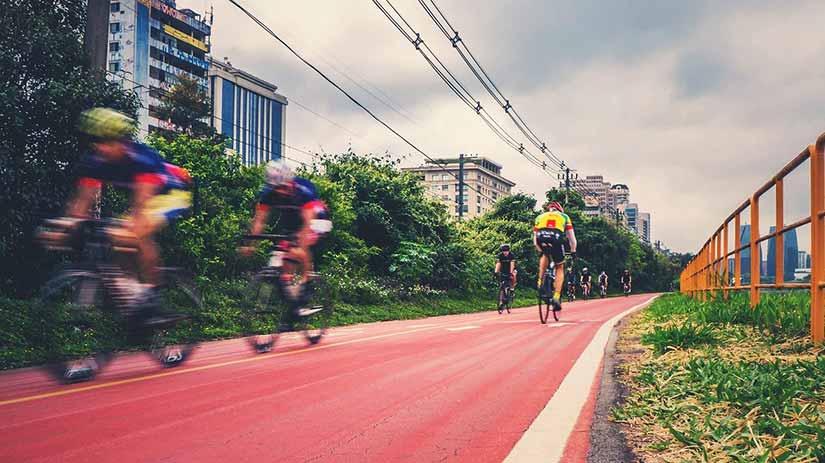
x=548 y=231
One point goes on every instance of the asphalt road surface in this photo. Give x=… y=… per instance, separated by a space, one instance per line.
x=479 y=387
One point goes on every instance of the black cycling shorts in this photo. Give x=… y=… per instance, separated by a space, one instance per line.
x=551 y=243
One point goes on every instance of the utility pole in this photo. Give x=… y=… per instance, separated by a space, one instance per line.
x=566 y=176
x=460 y=186
x=617 y=214
x=96 y=36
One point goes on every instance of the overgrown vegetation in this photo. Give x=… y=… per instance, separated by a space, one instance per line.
x=720 y=382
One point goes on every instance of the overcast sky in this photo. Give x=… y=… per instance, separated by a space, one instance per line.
x=693 y=104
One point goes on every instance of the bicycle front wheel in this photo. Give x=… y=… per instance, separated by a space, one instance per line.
x=172 y=343
x=263 y=311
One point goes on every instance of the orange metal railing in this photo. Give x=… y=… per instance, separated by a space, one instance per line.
x=708 y=271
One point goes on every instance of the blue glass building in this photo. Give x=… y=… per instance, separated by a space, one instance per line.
x=248 y=111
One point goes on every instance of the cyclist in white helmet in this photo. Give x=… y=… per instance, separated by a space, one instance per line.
x=303 y=213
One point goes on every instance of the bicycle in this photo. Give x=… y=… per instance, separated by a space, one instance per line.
x=275 y=305
x=571 y=291
x=626 y=289
x=99 y=296
x=505 y=293
x=586 y=291
x=602 y=290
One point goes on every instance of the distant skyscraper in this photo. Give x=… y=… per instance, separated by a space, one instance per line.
x=745 y=254
x=790 y=255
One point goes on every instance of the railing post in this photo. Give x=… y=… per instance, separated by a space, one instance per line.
x=725 y=269
x=817 y=239
x=756 y=259
x=737 y=243
x=780 y=238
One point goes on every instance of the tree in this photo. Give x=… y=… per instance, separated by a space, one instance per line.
x=186 y=105
x=45 y=84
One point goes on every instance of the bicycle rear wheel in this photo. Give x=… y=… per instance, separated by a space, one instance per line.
x=78 y=343
x=314 y=313
x=545 y=295
x=264 y=312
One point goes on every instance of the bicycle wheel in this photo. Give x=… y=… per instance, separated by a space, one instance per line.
x=510 y=296
x=80 y=341
x=173 y=342
x=502 y=299
x=263 y=314
x=544 y=300
x=313 y=315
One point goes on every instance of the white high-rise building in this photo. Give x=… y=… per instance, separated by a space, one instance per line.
x=151 y=44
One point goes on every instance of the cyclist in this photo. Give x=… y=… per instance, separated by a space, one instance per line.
x=586 y=280
x=160 y=194
x=571 y=284
x=627 y=280
x=548 y=231
x=603 y=282
x=304 y=214
x=506 y=265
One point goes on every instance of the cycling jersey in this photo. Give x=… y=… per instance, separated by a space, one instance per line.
x=602 y=278
x=586 y=277
x=505 y=261
x=302 y=196
x=141 y=164
x=625 y=278
x=553 y=220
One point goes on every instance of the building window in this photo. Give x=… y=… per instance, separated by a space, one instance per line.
x=114 y=46
x=114 y=66
x=445 y=187
x=114 y=28
x=478 y=209
x=445 y=177
x=114 y=7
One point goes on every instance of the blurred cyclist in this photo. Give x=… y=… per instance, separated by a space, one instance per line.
x=159 y=192
x=304 y=214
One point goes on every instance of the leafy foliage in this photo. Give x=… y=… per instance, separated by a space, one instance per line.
x=186 y=105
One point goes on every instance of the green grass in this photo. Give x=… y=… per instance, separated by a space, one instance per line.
x=744 y=384
x=682 y=336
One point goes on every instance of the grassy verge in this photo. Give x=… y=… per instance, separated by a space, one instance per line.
x=28 y=327
x=719 y=382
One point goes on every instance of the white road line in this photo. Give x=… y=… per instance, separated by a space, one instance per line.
x=421 y=326
x=520 y=321
x=547 y=436
x=559 y=324
x=462 y=328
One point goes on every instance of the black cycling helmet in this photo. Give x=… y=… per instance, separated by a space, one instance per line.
x=505 y=247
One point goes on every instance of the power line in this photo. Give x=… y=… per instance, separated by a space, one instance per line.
x=484 y=78
x=341 y=89
x=454 y=84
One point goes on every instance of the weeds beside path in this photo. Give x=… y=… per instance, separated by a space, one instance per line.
x=719 y=382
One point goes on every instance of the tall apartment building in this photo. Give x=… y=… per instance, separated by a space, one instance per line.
x=596 y=185
x=151 y=44
x=480 y=174
x=631 y=216
x=643 y=229
x=616 y=195
x=249 y=111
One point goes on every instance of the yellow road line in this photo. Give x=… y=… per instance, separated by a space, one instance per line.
x=93 y=387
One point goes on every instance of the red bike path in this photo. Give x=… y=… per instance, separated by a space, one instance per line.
x=458 y=388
